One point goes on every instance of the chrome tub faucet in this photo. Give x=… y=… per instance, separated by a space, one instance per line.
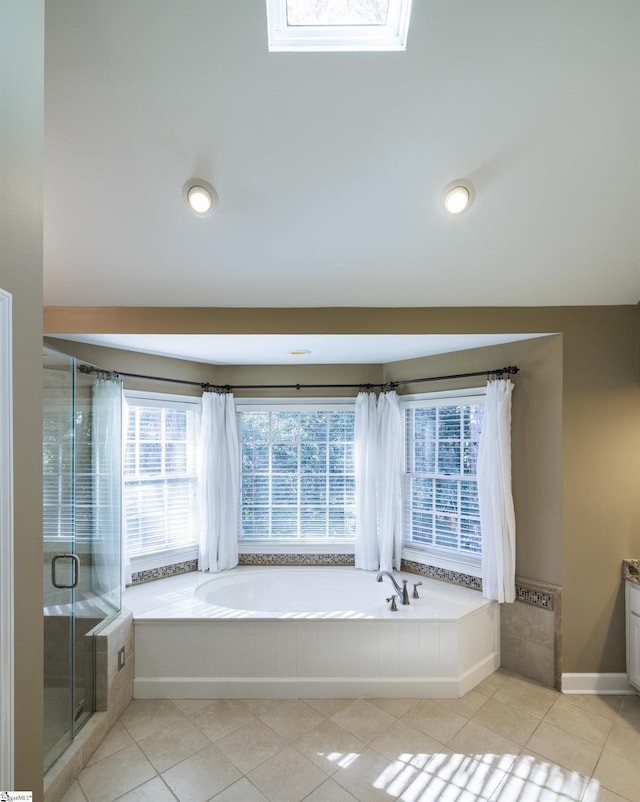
x=401 y=592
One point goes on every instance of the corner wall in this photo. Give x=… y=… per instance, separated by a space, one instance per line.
x=21 y=151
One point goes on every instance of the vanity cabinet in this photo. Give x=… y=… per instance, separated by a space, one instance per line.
x=632 y=598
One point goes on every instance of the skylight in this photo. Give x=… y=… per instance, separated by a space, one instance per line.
x=332 y=25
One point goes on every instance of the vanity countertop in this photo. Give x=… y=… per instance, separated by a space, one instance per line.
x=631 y=571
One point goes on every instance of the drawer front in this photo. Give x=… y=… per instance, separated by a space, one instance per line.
x=633 y=651
x=634 y=598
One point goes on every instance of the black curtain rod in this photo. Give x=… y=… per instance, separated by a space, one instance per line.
x=510 y=370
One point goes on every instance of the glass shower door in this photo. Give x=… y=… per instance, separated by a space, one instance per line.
x=82 y=438
x=60 y=564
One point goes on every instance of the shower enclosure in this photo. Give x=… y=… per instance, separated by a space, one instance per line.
x=81 y=454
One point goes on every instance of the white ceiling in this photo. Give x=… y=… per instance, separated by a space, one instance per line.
x=329 y=167
x=239 y=349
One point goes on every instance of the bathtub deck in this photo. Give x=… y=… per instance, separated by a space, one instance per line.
x=187 y=649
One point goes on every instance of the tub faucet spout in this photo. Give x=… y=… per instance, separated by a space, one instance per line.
x=401 y=592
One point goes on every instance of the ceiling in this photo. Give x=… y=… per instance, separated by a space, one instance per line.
x=330 y=166
x=248 y=349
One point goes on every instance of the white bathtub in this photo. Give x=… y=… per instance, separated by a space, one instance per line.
x=308 y=632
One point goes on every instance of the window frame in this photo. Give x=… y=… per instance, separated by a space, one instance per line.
x=177 y=554
x=283 y=37
x=438 y=556
x=281 y=545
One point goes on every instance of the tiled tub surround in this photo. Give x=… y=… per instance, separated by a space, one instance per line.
x=530 y=627
x=440 y=646
x=530 y=632
x=114 y=690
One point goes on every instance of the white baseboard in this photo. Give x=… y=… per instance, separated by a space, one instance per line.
x=602 y=684
x=293 y=688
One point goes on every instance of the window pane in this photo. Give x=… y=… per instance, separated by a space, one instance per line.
x=337 y=12
x=160 y=487
x=442 y=441
x=307 y=456
x=284 y=458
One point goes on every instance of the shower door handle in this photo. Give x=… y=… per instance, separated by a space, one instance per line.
x=75 y=560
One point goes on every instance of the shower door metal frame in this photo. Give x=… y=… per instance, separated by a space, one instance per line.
x=6 y=545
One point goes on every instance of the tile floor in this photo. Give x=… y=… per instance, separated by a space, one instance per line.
x=509 y=740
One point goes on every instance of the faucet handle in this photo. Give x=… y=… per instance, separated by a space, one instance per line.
x=415 y=590
x=393 y=606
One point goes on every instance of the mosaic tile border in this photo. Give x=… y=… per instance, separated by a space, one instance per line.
x=527 y=591
x=138 y=577
x=538 y=594
x=296 y=559
x=443 y=574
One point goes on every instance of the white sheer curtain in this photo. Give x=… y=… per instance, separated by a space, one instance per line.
x=220 y=475
x=390 y=450
x=366 y=465
x=106 y=445
x=497 y=517
x=126 y=560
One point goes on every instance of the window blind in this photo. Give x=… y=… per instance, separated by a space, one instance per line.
x=297 y=473
x=440 y=492
x=160 y=479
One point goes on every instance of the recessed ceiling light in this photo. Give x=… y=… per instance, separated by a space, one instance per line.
x=457 y=197
x=300 y=352
x=200 y=196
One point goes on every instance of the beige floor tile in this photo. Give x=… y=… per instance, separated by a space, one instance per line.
x=619 y=774
x=516 y=725
x=485 y=746
x=171 y=745
x=630 y=710
x=330 y=791
x=605 y=706
x=454 y=777
x=329 y=746
x=403 y=742
x=565 y=749
x=372 y=777
x=467 y=705
x=434 y=720
x=117 y=738
x=287 y=777
x=115 y=775
x=190 y=707
x=242 y=791
x=394 y=707
x=221 y=717
x=596 y=793
x=492 y=683
x=590 y=726
x=526 y=696
x=201 y=776
x=152 y=791
x=533 y=778
x=624 y=739
x=257 y=706
x=327 y=707
x=74 y=794
x=291 y=718
x=362 y=719
x=143 y=717
x=249 y=746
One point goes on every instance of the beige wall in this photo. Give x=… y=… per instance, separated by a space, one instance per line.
x=21 y=130
x=576 y=474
